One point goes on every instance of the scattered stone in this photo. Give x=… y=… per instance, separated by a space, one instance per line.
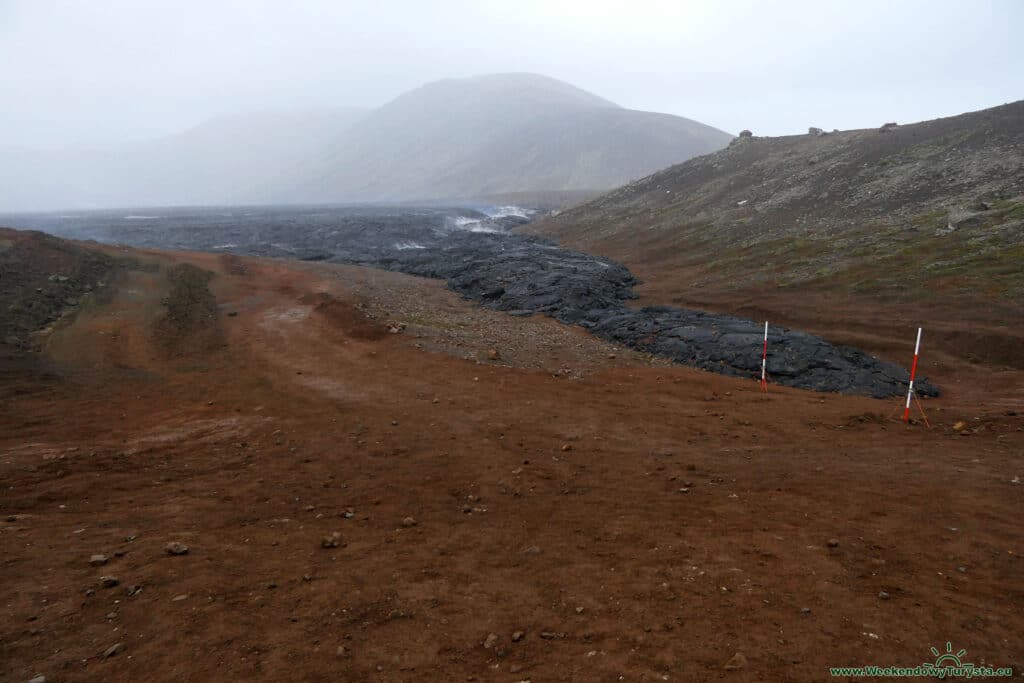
x=746 y=134
x=738 y=661
x=962 y=569
x=132 y=591
x=176 y=548
x=532 y=550
x=113 y=650
x=805 y=610
x=490 y=641
x=341 y=652
x=89 y=592
x=307 y=578
x=833 y=543
x=517 y=636
x=98 y=560
x=566 y=446
x=408 y=522
x=12 y=518
x=108 y=581
x=882 y=595
x=179 y=598
x=493 y=354
x=332 y=541
x=38 y=679
x=959 y=426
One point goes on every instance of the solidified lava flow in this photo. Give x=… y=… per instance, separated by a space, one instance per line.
x=481 y=259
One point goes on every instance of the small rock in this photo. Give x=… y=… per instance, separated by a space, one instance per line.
x=98 y=560
x=133 y=591
x=307 y=578
x=515 y=668
x=517 y=636
x=341 y=652
x=176 y=548
x=113 y=650
x=738 y=661
x=408 y=522
x=532 y=550
x=566 y=446
x=882 y=595
x=962 y=569
x=108 y=581
x=548 y=635
x=833 y=543
x=89 y=592
x=332 y=541
x=179 y=598
x=493 y=354
x=12 y=518
x=960 y=426
x=805 y=610
x=490 y=641
x=38 y=679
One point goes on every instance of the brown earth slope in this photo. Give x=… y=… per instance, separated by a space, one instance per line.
x=362 y=505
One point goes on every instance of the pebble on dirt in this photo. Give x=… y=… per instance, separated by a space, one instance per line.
x=113 y=650
x=108 y=581
x=738 y=661
x=98 y=560
x=408 y=522
x=332 y=541
x=176 y=548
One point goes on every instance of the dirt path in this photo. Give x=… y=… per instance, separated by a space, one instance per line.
x=632 y=522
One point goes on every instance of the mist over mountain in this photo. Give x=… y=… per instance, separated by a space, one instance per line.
x=214 y=162
x=498 y=134
x=448 y=140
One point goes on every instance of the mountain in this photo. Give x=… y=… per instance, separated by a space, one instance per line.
x=216 y=162
x=499 y=134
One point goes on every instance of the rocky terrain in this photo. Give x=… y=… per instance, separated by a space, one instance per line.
x=480 y=259
x=356 y=474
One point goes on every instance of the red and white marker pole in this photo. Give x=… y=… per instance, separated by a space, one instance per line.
x=764 y=359
x=913 y=373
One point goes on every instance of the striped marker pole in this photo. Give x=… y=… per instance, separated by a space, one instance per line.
x=913 y=373
x=764 y=359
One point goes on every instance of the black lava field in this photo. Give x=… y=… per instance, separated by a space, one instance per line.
x=482 y=259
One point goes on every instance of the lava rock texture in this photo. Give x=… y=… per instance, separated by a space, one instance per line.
x=521 y=274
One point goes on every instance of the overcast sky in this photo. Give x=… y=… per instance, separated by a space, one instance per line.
x=88 y=71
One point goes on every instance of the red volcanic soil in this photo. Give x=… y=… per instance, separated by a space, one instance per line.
x=362 y=505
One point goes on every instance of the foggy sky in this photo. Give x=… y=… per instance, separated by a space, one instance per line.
x=80 y=73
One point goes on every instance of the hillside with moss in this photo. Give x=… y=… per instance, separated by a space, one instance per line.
x=909 y=211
